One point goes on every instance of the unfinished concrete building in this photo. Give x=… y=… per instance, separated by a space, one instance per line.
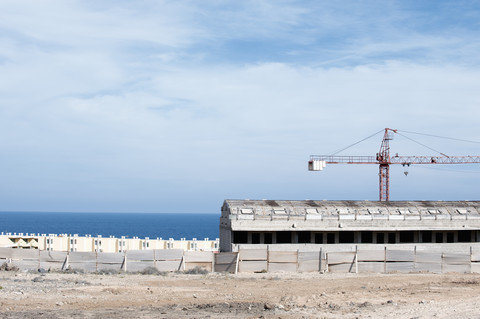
x=298 y=224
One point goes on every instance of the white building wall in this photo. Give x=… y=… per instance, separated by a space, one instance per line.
x=71 y=243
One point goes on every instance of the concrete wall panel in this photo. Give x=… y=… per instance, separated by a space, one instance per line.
x=400 y=255
x=371 y=267
x=198 y=256
x=253 y=254
x=371 y=255
x=340 y=257
x=252 y=266
x=456 y=259
x=168 y=254
x=342 y=268
x=403 y=267
x=282 y=267
x=205 y=265
x=282 y=256
x=428 y=257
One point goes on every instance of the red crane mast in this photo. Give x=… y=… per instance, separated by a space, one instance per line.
x=384 y=160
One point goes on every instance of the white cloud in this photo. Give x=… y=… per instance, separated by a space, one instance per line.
x=119 y=104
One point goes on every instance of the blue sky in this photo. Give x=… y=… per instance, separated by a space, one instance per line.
x=174 y=106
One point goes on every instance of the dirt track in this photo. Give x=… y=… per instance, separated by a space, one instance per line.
x=58 y=295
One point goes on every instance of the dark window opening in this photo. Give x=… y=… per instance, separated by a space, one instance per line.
x=284 y=237
x=392 y=238
x=318 y=238
x=304 y=237
x=330 y=238
x=367 y=237
x=464 y=236
x=380 y=238
x=450 y=237
x=240 y=237
x=267 y=238
x=346 y=237
x=439 y=237
x=255 y=238
x=426 y=236
x=406 y=237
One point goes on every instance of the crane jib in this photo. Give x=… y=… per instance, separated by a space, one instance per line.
x=384 y=160
x=396 y=159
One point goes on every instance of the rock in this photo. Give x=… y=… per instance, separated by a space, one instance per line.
x=268 y=306
x=42 y=270
x=38 y=279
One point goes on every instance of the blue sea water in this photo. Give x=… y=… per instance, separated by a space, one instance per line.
x=142 y=225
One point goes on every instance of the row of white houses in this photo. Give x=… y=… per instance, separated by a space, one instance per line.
x=88 y=243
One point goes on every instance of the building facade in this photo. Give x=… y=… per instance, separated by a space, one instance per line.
x=292 y=224
x=88 y=243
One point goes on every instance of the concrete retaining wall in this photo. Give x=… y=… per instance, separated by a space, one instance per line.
x=355 y=259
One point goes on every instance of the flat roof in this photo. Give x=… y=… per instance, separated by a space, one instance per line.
x=350 y=207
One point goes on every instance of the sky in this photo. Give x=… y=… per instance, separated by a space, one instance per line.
x=174 y=106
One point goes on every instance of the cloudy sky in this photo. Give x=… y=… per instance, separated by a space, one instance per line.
x=174 y=106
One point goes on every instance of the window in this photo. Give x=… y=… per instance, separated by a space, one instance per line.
x=255 y=238
x=439 y=237
x=380 y=238
x=284 y=237
x=346 y=237
x=318 y=238
x=267 y=238
x=304 y=237
x=406 y=236
x=330 y=238
x=367 y=237
x=426 y=236
x=450 y=237
x=392 y=238
x=464 y=236
x=240 y=237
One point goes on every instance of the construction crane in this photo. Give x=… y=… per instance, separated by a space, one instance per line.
x=384 y=160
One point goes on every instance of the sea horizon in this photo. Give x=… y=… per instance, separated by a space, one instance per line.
x=106 y=224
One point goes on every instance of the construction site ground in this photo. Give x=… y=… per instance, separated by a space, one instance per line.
x=259 y=295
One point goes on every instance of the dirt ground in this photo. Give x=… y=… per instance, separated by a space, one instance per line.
x=60 y=295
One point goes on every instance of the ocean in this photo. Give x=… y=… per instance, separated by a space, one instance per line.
x=141 y=225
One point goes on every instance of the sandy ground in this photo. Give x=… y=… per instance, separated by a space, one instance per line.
x=59 y=295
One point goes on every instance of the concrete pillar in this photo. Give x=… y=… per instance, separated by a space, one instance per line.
x=358 y=237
